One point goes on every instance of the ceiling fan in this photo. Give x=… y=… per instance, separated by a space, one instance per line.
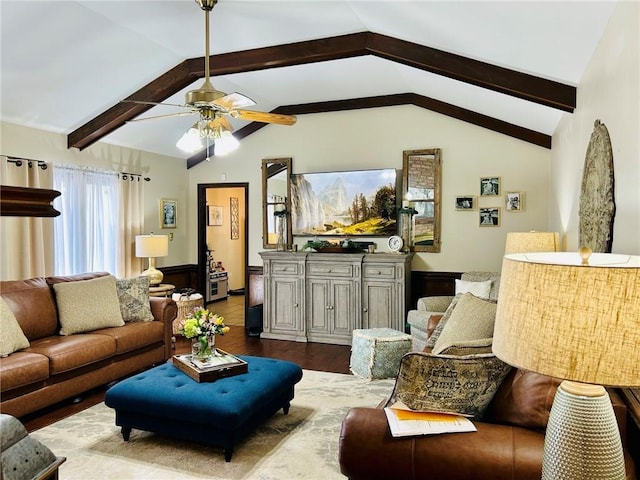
x=213 y=107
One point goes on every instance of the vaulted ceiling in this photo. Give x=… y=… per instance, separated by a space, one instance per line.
x=511 y=67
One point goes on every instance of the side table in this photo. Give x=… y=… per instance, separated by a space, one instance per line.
x=162 y=290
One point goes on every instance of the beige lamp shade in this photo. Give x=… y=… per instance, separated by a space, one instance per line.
x=577 y=322
x=152 y=246
x=525 y=242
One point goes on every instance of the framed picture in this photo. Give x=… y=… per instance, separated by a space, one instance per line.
x=490 y=217
x=214 y=215
x=489 y=186
x=514 y=201
x=168 y=213
x=466 y=202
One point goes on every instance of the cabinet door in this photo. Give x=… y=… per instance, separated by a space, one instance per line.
x=318 y=305
x=378 y=309
x=344 y=306
x=285 y=314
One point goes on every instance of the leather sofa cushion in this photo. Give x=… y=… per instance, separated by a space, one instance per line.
x=524 y=399
x=74 y=351
x=432 y=323
x=134 y=335
x=23 y=368
x=32 y=303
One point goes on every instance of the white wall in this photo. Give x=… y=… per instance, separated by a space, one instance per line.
x=608 y=91
x=168 y=176
x=376 y=138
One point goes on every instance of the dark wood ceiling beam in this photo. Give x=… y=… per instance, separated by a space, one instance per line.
x=460 y=68
x=287 y=55
x=535 y=89
x=490 y=123
x=115 y=117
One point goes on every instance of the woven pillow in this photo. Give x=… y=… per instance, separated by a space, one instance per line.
x=469 y=347
x=449 y=383
x=12 y=338
x=471 y=319
x=479 y=289
x=88 y=305
x=133 y=295
x=431 y=341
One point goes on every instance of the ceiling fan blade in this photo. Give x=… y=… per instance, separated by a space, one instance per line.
x=142 y=102
x=233 y=101
x=265 y=117
x=178 y=114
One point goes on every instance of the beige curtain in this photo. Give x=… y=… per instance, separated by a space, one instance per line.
x=26 y=243
x=131 y=224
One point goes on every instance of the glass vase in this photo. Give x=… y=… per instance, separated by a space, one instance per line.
x=203 y=347
x=281 y=225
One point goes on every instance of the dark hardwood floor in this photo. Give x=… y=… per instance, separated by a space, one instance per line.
x=310 y=356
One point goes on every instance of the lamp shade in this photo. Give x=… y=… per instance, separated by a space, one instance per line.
x=525 y=242
x=577 y=322
x=152 y=246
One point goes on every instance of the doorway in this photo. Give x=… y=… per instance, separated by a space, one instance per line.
x=223 y=220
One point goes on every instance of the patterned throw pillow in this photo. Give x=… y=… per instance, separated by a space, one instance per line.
x=472 y=319
x=133 y=294
x=449 y=383
x=12 y=337
x=88 y=305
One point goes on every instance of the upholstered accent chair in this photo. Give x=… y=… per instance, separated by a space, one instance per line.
x=429 y=310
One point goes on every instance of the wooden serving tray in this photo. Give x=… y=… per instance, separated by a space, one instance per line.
x=222 y=366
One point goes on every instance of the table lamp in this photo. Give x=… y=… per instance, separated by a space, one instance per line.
x=152 y=246
x=575 y=317
x=525 y=242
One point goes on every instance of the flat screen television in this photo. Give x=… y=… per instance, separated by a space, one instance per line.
x=357 y=202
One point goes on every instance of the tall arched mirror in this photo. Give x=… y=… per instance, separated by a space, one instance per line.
x=276 y=195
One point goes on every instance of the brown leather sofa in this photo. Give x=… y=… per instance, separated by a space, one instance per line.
x=507 y=446
x=55 y=367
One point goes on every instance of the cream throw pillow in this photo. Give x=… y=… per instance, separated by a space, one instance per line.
x=471 y=319
x=479 y=289
x=11 y=335
x=88 y=305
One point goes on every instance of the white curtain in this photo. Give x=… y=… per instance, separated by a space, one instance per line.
x=87 y=233
x=26 y=243
x=131 y=223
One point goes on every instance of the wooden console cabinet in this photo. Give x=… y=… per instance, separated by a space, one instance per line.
x=323 y=297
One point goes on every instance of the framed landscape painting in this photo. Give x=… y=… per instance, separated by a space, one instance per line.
x=168 y=213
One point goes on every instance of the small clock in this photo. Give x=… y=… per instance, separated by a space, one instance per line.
x=395 y=243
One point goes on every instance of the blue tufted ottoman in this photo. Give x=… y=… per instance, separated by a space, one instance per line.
x=166 y=401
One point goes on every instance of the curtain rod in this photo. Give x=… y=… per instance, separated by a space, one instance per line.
x=18 y=161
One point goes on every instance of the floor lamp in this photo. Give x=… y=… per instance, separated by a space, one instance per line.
x=151 y=247
x=575 y=317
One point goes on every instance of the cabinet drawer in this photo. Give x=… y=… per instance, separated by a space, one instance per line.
x=330 y=269
x=285 y=268
x=372 y=271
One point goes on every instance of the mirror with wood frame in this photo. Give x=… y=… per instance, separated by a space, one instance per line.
x=421 y=188
x=276 y=195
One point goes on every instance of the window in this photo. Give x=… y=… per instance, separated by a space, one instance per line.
x=86 y=232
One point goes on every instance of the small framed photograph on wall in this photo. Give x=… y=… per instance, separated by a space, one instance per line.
x=465 y=202
x=489 y=186
x=214 y=215
x=168 y=213
x=490 y=217
x=514 y=201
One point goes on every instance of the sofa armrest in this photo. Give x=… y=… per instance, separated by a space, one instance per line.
x=165 y=310
x=437 y=303
x=368 y=451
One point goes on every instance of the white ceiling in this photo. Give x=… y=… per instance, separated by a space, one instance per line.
x=65 y=62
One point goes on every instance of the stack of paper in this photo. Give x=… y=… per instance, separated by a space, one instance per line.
x=405 y=422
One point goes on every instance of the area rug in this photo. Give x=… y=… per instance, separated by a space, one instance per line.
x=300 y=445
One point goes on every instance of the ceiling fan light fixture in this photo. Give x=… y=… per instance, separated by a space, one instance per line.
x=227 y=143
x=191 y=141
